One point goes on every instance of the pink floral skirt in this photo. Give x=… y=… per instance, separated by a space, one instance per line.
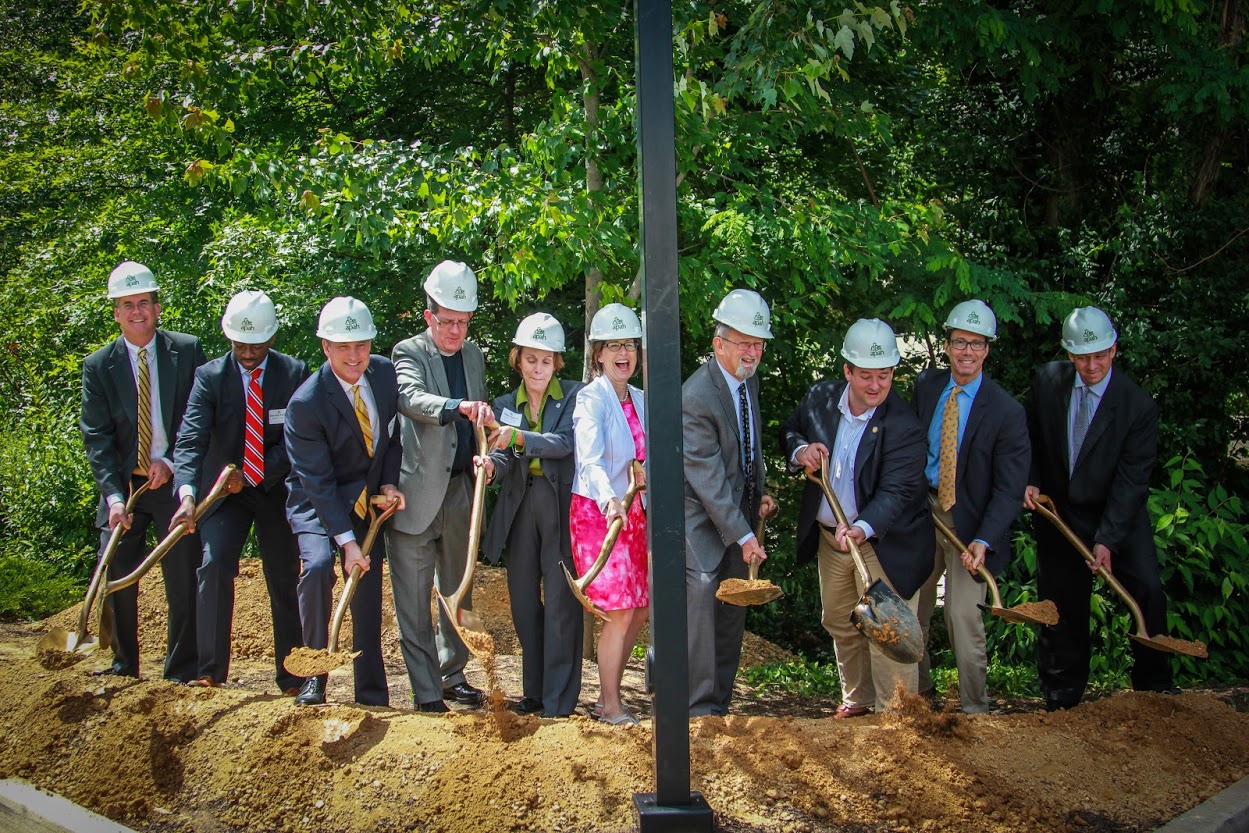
x=623 y=583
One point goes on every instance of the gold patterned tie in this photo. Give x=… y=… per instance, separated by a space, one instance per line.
x=366 y=428
x=947 y=462
x=144 y=459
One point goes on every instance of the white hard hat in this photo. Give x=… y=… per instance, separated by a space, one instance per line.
x=131 y=278
x=615 y=321
x=346 y=319
x=540 y=331
x=745 y=311
x=870 y=343
x=452 y=285
x=1088 y=330
x=250 y=318
x=974 y=317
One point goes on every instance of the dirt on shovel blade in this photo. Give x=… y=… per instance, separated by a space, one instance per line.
x=1045 y=612
x=312 y=662
x=741 y=591
x=1182 y=646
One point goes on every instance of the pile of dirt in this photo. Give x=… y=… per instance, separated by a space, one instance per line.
x=163 y=757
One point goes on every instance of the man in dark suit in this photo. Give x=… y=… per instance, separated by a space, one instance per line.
x=724 y=496
x=1094 y=441
x=875 y=450
x=344 y=448
x=236 y=415
x=978 y=458
x=134 y=392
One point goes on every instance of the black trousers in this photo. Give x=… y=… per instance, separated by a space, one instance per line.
x=153 y=510
x=223 y=533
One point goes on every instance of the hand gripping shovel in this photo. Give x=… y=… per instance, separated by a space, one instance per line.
x=1045 y=506
x=613 y=532
x=467 y=624
x=1040 y=613
x=750 y=590
x=312 y=662
x=881 y=615
x=60 y=648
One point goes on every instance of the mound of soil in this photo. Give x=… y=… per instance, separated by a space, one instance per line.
x=162 y=757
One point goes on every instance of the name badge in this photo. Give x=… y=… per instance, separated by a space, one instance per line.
x=277 y=416
x=510 y=417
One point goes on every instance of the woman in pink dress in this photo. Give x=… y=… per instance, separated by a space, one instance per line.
x=609 y=429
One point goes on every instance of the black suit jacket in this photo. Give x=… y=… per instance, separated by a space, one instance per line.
x=1104 y=498
x=110 y=406
x=329 y=463
x=993 y=461
x=214 y=425
x=888 y=478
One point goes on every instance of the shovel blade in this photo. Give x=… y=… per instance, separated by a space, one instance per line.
x=582 y=597
x=885 y=620
x=1171 y=645
x=744 y=593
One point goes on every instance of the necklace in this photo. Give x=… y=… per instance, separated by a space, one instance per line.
x=625 y=398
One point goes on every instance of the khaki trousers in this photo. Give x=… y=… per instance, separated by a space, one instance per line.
x=964 y=621
x=868 y=677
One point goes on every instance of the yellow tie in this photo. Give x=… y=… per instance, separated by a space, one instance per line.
x=144 y=459
x=366 y=428
x=947 y=462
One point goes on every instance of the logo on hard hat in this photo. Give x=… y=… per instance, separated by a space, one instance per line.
x=617 y=324
x=539 y=334
x=350 y=324
x=973 y=318
x=459 y=294
x=1089 y=335
x=131 y=280
x=759 y=321
x=246 y=325
x=876 y=350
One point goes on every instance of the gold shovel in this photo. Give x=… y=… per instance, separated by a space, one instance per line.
x=312 y=662
x=60 y=648
x=881 y=615
x=636 y=476
x=467 y=624
x=750 y=590
x=1039 y=613
x=1168 y=644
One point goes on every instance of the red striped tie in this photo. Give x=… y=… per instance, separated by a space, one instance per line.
x=254 y=437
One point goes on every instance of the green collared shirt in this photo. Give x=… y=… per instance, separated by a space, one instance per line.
x=553 y=391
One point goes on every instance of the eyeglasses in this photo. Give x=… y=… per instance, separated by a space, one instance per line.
x=617 y=346
x=452 y=325
x=747 y=346
x=963 y=344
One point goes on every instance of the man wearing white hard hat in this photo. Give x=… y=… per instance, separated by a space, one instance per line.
x=1094 y=443
x=236 y=414
x=977 y=468
x=134 y=392
x=344 y=448
x=533 y=464
x=874 y=447
x=442 y=395
x=724 y=493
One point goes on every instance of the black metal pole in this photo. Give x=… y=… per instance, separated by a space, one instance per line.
x=672 y=807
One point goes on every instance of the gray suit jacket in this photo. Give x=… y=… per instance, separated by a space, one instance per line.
x=553 y=446
x=714 y=482
x=428 y=433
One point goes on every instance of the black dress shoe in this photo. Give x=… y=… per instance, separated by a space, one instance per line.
x=433 y=707
x=463 y=693
x=115 y=671
x=313 y=691
x=529 y=705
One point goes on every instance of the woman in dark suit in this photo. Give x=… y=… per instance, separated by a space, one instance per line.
x=533 y=462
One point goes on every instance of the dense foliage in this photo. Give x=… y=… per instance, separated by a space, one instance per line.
x=846 y=162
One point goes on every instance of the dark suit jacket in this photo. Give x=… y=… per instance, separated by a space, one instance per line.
x=1103 y=499
x=212 y=430
x=993 y=462
x=888 y=477
x=714 y=481
x=110 y=405
x=329 y=463
x=553 y=445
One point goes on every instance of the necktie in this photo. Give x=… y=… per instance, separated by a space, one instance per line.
x=748 y=449
x=144 y=459
x=254 y=433
x=947 y=462
x=1084 y=415
x=366 y=428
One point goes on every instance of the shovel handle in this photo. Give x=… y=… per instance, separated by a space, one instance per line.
x=1046 y=508
x=376 y=519
x=823 y=482
x=474 y=527
x=218 y=491
x=982 y=571
x=613 y=530
x=101 y=567
x=760 y=525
